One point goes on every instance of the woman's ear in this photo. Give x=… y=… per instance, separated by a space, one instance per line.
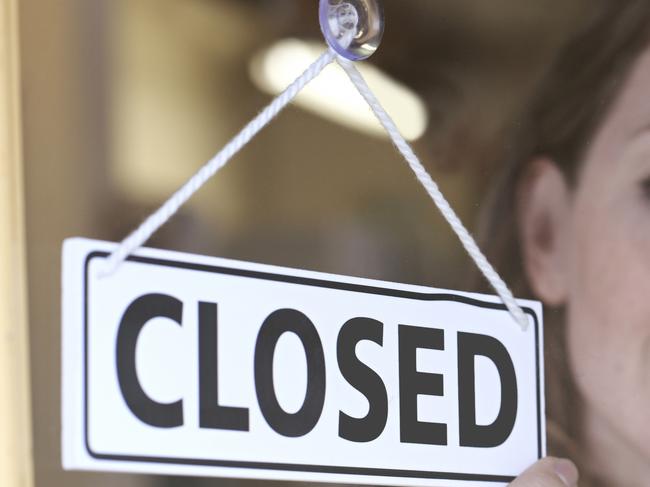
x=543 y=215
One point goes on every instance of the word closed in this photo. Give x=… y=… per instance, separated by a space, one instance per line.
x=181 y=364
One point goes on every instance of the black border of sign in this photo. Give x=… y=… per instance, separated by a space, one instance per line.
x=379 y=472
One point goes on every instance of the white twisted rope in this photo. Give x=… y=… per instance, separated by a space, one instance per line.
x=434 y=192
x=139 y=236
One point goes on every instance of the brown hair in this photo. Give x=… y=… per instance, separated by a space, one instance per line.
x=562 y=118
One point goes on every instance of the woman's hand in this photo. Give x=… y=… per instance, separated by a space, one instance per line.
x=549 y=472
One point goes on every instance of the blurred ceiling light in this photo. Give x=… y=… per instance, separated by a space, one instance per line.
x=332 y=95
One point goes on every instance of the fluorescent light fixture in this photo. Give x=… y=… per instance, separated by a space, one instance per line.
x=332 y=95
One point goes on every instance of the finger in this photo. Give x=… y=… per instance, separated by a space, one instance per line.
x=549 y=472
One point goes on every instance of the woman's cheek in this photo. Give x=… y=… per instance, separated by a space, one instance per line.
x=609 y=316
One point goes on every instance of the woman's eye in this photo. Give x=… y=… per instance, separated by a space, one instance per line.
x=645 y=187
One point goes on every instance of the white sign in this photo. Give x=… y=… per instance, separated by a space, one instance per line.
x=183 y=364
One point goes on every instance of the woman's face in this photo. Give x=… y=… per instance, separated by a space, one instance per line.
x=588 y=247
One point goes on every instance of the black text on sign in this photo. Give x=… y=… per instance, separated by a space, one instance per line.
x=183 y=364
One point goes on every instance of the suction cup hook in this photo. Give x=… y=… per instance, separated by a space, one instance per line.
x=353 y=28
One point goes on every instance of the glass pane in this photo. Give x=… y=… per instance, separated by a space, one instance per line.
x=125 y=99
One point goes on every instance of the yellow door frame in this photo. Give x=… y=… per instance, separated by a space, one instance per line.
x=16 y=463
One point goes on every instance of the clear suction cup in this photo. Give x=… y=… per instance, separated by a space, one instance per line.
x=353 y=28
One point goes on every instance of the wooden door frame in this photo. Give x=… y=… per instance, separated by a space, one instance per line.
x=16 y=460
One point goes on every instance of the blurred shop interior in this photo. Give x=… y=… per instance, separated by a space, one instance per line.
x=124 y=99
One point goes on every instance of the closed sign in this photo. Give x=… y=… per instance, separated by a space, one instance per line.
x=183 y=364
